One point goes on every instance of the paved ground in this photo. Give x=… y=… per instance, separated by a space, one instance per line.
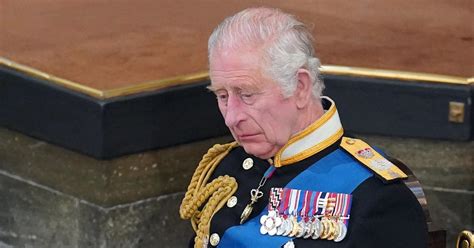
x=107 y=44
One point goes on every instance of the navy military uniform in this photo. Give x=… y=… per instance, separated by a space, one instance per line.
x=383 y=212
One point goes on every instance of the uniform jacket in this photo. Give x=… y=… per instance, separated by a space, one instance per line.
x=383 y=213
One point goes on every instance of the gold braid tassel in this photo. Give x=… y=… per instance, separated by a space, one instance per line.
x=213 y=194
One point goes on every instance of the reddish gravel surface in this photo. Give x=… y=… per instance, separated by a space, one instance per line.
x=109 y=44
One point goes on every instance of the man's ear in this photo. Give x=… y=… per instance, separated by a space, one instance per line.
x=304 y=88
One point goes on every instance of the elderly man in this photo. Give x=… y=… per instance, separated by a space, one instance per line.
x=290 y=179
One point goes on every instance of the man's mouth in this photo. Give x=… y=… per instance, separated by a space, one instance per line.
x=247 y=137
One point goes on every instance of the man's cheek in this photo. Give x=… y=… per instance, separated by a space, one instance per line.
x=222 y=110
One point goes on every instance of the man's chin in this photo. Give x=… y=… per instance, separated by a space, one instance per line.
x=258 y=150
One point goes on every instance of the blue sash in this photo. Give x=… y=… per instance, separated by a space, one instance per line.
x=337 y=172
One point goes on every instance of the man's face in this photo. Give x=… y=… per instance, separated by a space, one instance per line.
x=254 y=109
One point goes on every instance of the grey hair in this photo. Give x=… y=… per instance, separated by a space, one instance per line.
x=286 y=44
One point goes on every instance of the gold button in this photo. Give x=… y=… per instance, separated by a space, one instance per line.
x=232 y=201
x=214 y=239
x=247 y=164
x=350 y=141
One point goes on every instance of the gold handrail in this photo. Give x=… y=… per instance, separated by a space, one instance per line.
x=157 y=84
x=50 y=78
x=201 y=76
x=393 y=74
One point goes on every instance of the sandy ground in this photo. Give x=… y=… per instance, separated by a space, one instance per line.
x=108 y=44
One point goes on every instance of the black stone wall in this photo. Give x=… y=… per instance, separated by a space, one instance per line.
x=54 y=197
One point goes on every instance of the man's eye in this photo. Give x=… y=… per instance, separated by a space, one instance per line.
x=248 y=98
x=222 y=97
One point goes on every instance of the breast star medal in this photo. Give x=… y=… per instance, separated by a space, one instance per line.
x=270 y=223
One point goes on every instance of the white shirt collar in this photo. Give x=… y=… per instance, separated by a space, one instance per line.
x=319 y=135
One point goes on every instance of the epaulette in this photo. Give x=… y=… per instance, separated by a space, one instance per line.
x=373 y=160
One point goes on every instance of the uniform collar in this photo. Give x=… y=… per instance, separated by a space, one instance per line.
x=316 y=137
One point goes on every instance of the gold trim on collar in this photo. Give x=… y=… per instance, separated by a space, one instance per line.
x=314 y=149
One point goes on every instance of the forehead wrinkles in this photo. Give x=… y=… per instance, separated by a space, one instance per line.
x=235 y=79
x=237 y=69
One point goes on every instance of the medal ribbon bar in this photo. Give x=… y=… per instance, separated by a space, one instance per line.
x=307 y=214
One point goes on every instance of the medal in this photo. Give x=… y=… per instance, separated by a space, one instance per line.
x=301 y=229
x=308 y=227
x=335 y=230
x=270 y=223
x=281 y=207
x=342 y=210
x=256 y=194
x=282 y=228
x=309 y=215
x=305 y=214
x=246 y=213
x=326 y=228
x=289 y=227
x=293 y=211
x=295 y=226
x=342 y=232
x=317 y=229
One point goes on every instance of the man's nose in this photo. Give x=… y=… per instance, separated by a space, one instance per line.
x=234 y=112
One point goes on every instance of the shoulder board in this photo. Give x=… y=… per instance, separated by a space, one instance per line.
x=369 y=157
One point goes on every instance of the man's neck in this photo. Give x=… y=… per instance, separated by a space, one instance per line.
x=311 y=113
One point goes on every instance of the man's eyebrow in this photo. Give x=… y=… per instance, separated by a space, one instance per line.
x=212 y=88
x=245 y=87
